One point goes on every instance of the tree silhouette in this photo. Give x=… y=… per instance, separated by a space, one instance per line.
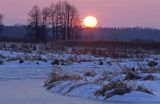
x=34 y=22
x=44 y=26
x=52 y=16
x=62 y=18
x=1 y=23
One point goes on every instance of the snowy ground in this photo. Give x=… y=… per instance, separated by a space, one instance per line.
x=87 y=90
x=32 y=92
x=18 y=89
x=22 y=83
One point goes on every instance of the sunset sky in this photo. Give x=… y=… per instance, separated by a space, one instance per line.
x=108 y=12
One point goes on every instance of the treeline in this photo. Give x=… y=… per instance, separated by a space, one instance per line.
x=62 y=18
x=11 y=33
x=124 y=34
x=1 y=23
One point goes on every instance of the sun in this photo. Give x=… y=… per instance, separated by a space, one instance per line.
x=90 y=21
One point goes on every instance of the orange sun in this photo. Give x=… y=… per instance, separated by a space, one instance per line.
x=90 y=21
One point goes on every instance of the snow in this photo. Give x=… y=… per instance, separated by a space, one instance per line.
x=136 y=97
x=31 y=91
x=23 y=72
x=87 y=91
x=23 y=83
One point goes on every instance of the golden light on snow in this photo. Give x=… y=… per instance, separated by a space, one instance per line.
x=90 y=21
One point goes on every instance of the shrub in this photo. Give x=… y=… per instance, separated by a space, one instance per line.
x=1 y=62
x=113 y=88
x=63 y=62
x=143 y=89
x=90 y=73
x=152 y=64
x=100 y=63
x=2 y=57
x=119 y=88
x=45 y=60
x=149 y=77
x=150 y=70
x=21 y=61
x=131 y=74
x=109 y=63
x=55 y=77
x=55 y=62
x=109 y=76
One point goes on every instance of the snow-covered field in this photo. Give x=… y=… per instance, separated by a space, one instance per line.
x=66 y=72
x=90 y=77
x=31 y=91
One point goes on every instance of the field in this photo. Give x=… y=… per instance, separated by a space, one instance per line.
x=104 y=71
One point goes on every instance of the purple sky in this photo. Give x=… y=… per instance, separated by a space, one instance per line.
x=108 y=12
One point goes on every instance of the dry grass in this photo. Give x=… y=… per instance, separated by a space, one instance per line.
x=55 y=77
x=77 y=85
x=152 y=63
x=131 y=75
x=149 y=77
x=149 y=70
x=91 y=73
x=21 y=61
x=141 y=88
x=1 y=62
x=2 y=56
x=120 y=88
x=113 y=88
x=55 y=62
x=111 y=49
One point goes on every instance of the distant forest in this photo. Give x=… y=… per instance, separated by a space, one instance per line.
x=126 y=34
x=19 y=33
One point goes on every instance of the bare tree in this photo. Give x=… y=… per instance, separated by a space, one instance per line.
x=35 y=22
x=55 y=14
x=73 y=21
x=52 y=19
x=59 y=20
x=62 y=17
x=67 y=19
x=1 y=23
x=45 y=22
